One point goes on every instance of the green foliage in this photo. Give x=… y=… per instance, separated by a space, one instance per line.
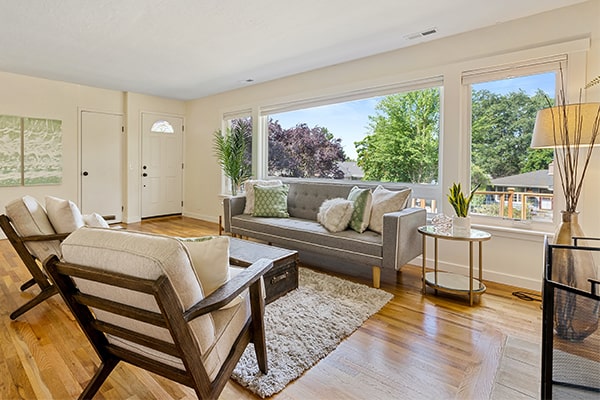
x=479 y=177
x=230 y=150
x=458 y=201
x=304 y=152
x=502 y=126
x=403 y=140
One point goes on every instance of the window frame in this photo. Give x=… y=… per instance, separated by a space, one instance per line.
x=507 y=71
x=430 y=192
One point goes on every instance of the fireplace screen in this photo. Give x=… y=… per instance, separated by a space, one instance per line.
x=570 y=332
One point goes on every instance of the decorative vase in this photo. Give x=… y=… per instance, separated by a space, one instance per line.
x=461 y=226
x=575 y=317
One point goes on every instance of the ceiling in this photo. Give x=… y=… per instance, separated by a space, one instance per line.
x=186 y=49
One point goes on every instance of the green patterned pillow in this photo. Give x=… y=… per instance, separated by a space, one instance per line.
x=362 y=199
x=271 y=201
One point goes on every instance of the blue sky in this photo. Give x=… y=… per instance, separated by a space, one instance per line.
x=349 y=121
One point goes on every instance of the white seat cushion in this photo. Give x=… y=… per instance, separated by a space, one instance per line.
x=143 y=256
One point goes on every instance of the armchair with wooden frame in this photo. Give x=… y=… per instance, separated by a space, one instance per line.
x=138 y=298
x=31 y=234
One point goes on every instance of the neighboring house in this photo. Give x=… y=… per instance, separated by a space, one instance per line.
x=530 y=182
x=537 y=182
x=351 y=170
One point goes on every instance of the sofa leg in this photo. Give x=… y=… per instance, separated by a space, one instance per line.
x=376 y=276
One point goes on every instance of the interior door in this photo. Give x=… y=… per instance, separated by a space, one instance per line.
x=162 y=165
x=102 y=164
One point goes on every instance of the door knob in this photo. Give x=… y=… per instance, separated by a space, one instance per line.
x=144 y=174
x=85 y=173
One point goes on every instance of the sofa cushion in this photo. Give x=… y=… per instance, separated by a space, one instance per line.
x=335 y=214
x=63 y=214
x=302 y=234
x=385 y=201
x=249 y=190
x=362 y=199
x=29 y=219
x=270 y=201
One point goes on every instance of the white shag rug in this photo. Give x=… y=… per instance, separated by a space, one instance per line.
x=304 y=326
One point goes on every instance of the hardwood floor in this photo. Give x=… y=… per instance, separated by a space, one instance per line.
x=434 y=347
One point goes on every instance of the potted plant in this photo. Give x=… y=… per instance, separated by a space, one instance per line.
x=461 y=223
x=230 y=149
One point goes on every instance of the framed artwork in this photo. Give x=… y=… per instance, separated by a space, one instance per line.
x=30 y=151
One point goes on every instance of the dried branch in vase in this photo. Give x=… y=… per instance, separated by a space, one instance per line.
x=568 y=122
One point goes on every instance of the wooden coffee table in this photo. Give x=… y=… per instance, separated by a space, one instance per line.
x=281 y=279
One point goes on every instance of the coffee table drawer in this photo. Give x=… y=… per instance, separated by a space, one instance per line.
x=280 y=280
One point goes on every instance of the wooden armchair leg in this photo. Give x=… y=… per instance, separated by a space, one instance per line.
x=43 y=295
x=257 y=304
x=98 y=379
x=27 y=285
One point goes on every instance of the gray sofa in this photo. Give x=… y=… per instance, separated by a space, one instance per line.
x=398 y=243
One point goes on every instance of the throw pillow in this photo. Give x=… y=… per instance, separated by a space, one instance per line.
x=386 y=201
x=64 y=215
x=271 y=201
x=335 y=214
x=210 y=260
x=361 y=199
x=95 y=220
x=249 y=189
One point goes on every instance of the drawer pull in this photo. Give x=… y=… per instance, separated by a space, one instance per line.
x=278 y=278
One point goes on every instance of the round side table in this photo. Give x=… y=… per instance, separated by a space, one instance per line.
x=447 y=281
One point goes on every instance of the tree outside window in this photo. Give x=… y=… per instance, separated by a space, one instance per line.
x=515 y=180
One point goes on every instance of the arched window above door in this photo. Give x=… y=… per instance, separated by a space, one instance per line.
x=162 y=126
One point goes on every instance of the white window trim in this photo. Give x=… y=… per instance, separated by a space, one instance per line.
x=294 y=105
x=572 y=57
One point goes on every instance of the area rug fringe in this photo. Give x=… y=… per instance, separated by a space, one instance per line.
x=304 y=326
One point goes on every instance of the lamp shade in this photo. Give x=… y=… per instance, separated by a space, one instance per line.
x=554 y=124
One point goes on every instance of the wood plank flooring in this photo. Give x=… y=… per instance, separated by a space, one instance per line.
x=416 y=347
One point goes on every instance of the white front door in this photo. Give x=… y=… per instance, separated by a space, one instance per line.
x=162 y=165
x=101 y=164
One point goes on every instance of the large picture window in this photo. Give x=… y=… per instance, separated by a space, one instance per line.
x=385 y=138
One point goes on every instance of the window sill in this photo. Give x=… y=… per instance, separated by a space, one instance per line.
x=514 y=233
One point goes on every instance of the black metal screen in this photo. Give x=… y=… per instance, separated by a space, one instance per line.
x=570 y=333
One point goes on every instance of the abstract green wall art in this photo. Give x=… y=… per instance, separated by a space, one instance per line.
x=30 y=151
x=42 y=151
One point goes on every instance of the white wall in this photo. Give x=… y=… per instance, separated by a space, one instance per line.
x=510 y=257
x=34 y=97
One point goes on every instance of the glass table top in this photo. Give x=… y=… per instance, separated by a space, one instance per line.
x=444 y=233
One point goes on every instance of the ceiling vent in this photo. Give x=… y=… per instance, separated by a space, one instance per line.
x=416 y=35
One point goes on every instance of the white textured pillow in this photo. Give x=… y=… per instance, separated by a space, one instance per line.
x=335 y=214
x=386 y=201
x=64 y=215
x=249 y=189
x=210 y=260
x=95 y=220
